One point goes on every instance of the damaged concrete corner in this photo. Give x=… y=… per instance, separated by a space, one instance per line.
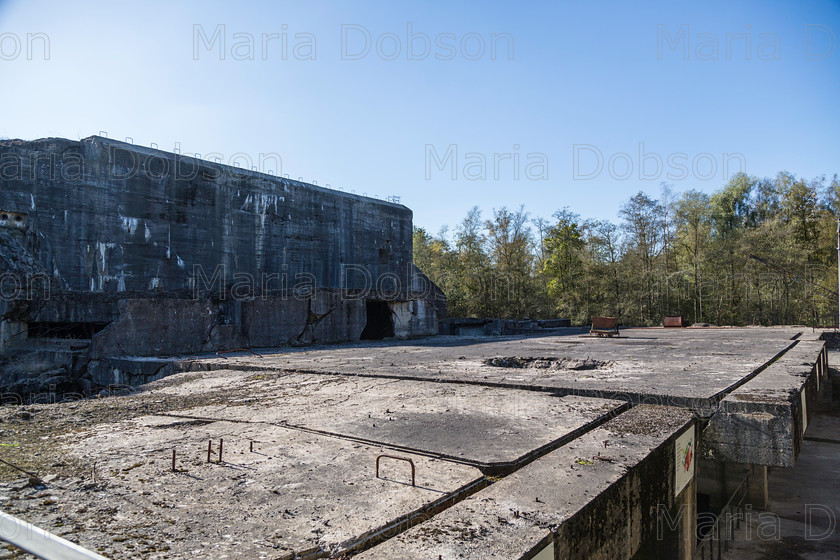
x=763 y=421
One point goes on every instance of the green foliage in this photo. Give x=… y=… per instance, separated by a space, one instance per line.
x=563 y=264
x=688 y=255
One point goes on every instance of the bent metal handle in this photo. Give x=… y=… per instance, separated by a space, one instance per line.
x=385 y=456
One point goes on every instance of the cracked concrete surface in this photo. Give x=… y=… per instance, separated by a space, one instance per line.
x=310 y=485
x=683 y=367
x=478 y=435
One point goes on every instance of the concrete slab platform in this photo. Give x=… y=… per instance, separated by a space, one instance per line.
x=522 y=446
x=584 y=500
x=680 y=367
x=297 y=493
x=312 y=472
x=488 y=427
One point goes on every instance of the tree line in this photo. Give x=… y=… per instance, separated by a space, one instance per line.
x=756 y=251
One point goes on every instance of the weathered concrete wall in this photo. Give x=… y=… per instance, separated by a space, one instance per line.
x=333 y=318
x=414 y=318
x=159 y=327
x=149 y=253
x=165 y=327
x=763 y=421
x=274 y=321
x=106 y=216
x=424 y=288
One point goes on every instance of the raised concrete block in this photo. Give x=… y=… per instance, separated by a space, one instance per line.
x=763 y=421
x=586 y=500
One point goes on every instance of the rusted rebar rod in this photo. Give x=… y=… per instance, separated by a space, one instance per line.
x=35 y=476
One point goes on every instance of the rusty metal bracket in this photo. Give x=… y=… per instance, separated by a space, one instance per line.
x=406 y=459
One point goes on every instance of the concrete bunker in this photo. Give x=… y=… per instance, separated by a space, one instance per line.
x=119 y=292
x=205 y=261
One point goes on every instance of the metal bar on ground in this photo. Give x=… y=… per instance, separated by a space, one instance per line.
x=42 y=544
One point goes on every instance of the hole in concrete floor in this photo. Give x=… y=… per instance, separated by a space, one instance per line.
x=379 y=324
x=547 y=363
x=64 y=329
x=183 y=424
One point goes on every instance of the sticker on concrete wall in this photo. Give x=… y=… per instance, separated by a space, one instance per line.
x=804 y=412
x=685 y=449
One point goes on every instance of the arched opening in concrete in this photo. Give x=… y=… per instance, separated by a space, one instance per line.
x=380 y=323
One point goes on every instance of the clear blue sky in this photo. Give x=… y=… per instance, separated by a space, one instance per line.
x=582 y=73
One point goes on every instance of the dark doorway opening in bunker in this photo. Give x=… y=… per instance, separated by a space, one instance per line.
x=379 y=322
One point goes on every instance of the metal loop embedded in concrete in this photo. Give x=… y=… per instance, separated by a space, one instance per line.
x=409 y=461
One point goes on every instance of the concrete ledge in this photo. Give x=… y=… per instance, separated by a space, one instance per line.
x=763 y=421
x=596 y=497
x=130 y=371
